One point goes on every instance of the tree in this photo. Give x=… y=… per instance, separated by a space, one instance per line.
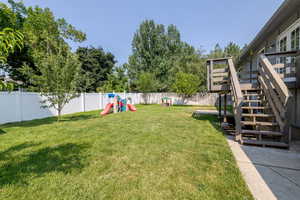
x=57 y=81
x=97 y=65
x=232 y=50
x=192 y=62
x=154 y=51
x=146 y=83
x=186 y=85
x=117 y=81
x=43 y=33
x=9 y=40
x=217 y=52
x=161 y=52
x=6 y=86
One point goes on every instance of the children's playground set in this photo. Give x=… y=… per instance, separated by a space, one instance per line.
x=117 y=105
x=166 y=101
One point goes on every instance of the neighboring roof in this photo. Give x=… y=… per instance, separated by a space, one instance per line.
x=284 y=12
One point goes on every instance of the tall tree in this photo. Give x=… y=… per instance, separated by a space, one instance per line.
x=233 y=50
x=147 y=83
x=157 y=50
x=186 y=85
x=117 y=81
x=97 y=65
x=43 y=33
x=217 y=52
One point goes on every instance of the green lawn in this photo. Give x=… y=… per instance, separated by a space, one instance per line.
x=156 y=153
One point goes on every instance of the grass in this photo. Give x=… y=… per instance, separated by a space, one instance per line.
x=156 y=153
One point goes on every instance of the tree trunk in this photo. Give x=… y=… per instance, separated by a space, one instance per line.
x=59 y=113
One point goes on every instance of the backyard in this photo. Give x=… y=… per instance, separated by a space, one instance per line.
x=155 y=153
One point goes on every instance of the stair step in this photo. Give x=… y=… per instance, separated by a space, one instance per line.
x=266 y=143
x=252 y=94
x=255 y=107
x=249 y=87
x=259 y=123
x=256 y=132
x=257 y=115
x=253 y=101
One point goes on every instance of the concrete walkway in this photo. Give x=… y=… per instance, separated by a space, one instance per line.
x=211 y=112
x=269 y=173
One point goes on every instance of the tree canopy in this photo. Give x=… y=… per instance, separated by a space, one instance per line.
x=160 y=51
x=97 y=65
x=43 y=34
x=31 y=38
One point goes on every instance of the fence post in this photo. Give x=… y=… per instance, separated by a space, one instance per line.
x=100 y=101
x=83 y=101
x=19 y=113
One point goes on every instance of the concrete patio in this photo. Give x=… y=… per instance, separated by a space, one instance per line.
x=269 y=173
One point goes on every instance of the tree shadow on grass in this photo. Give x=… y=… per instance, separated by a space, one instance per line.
x=50 y=120
x=65 y=158
x=211 y=118
x=7 y=154
x=2 y=132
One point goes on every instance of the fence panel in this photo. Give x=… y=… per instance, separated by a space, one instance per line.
x=22 y=106
x=74 y=106
x=92 y=101
x=31 y=107
x=9 y=111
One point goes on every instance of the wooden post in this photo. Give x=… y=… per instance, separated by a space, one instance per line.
x=225 y=109
x=220 y=106
x=251 y=70
x=297 y=66
x=207 y=76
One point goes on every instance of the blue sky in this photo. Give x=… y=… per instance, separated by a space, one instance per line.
x=111 y=24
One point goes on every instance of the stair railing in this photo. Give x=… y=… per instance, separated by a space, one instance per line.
x=276 y=92
x=217 y=75
x=238 y=97
x=224 y=79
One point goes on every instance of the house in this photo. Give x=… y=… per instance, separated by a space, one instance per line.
x=266 y=88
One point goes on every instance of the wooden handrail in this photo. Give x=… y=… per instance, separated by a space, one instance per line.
x=227 y=77
x=277 y=93
x=238 y=97
x=279 y=85
x=284 y=53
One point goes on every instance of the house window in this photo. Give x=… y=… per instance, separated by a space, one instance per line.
x=295 y=39
x=283 y=48
x=283 y=44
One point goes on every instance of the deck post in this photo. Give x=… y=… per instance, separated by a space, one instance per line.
x=297 y=72
x=220 y=106
x=225 y=108
x=208 y=75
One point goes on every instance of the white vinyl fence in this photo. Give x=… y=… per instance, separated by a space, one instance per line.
x=23 y=106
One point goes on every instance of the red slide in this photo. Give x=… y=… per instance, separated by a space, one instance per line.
x=131 y=107
x=107 y=109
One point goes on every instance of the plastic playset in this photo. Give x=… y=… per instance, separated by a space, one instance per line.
x=117 y=105
x=166 y=101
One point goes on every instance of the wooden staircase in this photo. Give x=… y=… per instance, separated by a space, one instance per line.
x=260 y=109
x=259 y=126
